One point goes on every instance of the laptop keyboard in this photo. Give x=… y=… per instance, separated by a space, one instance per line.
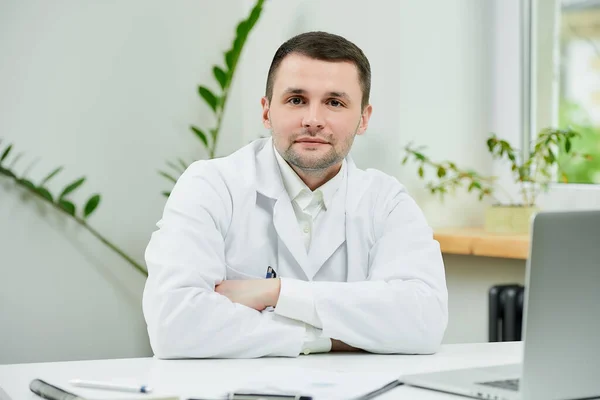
x=509 y=384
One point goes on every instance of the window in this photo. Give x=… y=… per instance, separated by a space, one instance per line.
x=565 y=80
x=579 y=86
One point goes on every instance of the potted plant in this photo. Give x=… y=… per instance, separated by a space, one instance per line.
x=532 y=174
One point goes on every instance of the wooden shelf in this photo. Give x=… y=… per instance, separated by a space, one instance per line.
x=477 y=242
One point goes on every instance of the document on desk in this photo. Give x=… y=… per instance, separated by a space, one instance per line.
x=319 y=384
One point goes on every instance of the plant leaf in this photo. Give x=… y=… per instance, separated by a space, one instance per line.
x=6 y=153
x=27 y=183
x=419 y=156
x=7 y=172
x=67 y=206
x=254 y=15
x=201 y=135
x=15 y=160
x=209 y=97
x=176 y=167
x=91 y=205
x=73 y=186
x=169 y=177
x=166 y=194
x=45 y=194
x=404 y=160
x=441 y=172
x=220 y=76
x=229 y=59
x=183 y=164
x=421 y=172
x=242 y=29
x=51 y=175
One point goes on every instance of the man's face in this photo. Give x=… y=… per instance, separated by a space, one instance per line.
x=315 y=111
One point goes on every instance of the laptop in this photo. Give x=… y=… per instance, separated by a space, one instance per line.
x=561 y=320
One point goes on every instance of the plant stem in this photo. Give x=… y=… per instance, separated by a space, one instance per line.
x=113 y=247
x=94 y=232
x=213 y=148
x=524 y=193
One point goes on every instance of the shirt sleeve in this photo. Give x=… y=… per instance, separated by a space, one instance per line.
x=297 y=301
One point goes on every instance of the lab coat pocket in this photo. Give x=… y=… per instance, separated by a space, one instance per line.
x=234 y=274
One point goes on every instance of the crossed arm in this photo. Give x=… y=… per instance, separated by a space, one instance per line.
x=260 y=294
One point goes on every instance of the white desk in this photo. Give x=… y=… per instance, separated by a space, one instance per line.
x=199 y=377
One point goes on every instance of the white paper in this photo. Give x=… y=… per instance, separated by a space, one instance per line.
x=320 y=384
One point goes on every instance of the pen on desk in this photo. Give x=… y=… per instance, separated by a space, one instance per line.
x=110 y=386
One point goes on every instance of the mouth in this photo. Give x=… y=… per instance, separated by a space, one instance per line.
x=311 y=141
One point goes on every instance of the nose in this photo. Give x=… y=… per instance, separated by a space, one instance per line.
x=314 y=118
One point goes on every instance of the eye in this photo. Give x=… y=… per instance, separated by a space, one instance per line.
x=295 y=101
x=335 y=103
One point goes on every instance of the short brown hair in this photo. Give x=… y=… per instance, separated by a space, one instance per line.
x=325 y=47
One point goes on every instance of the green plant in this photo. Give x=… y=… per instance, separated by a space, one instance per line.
x=532 y=174
x=218 y=101
x=61 y=201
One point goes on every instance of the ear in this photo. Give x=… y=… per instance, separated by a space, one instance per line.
x=264 y=102
x=364 y=120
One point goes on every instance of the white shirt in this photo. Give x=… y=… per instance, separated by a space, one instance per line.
x=307 y=206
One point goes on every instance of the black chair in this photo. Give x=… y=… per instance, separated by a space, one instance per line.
x=505 y=312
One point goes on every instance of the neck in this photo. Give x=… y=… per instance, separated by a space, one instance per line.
x=317 y=178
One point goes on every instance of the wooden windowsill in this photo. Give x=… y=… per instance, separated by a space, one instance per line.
x=477 y=242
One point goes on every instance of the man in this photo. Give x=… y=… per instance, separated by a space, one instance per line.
x=285 y=247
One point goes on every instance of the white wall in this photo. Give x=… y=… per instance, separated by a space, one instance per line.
x=108 y=89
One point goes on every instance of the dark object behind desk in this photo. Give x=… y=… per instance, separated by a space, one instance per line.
x=505 y=312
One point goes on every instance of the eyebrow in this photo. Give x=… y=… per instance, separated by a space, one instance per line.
x=342 y=95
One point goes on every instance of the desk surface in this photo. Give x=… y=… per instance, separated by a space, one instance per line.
x=202 y=377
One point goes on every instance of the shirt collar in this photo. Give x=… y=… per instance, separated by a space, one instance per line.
x=294 y=185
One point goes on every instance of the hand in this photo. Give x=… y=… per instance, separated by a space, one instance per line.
x=337 y=345
x=254 y=293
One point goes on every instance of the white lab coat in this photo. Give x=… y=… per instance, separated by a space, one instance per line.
x=378 y=283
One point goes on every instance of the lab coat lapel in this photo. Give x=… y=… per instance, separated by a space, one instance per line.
x=270 y=184
x=358 y=225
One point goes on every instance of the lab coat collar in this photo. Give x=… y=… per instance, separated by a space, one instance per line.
x=268 y=176
x=269 y=181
